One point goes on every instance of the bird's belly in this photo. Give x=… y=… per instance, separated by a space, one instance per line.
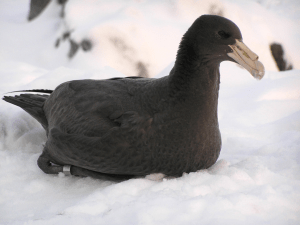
x=119 y=154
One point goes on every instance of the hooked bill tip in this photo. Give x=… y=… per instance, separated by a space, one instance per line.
x=259 y=71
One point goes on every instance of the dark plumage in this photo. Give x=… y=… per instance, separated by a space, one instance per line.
x=124 y=127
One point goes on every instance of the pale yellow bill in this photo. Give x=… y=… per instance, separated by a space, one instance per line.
x=246 y=58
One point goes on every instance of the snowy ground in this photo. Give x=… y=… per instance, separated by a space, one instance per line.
x=257 y=177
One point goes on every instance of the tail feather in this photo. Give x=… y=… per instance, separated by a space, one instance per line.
x=46 y=91
x=32 y=104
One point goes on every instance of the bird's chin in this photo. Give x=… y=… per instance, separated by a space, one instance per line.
x=246 y=58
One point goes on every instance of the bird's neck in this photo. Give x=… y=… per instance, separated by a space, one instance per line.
x=194 y=84
x=194 y=75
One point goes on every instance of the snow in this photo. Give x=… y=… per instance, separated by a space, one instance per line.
x=257 y=177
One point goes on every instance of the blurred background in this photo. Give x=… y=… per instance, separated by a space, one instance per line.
x=138 y=37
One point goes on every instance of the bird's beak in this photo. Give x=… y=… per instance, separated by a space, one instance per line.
x=246 y=58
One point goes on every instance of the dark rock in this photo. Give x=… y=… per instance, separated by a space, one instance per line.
x=36 y=7
x=278 y=55
x=73 y=48
x=86 y=45
x=66 y=35
x=57 y=42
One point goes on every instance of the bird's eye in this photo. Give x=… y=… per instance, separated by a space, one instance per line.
x=223 y=34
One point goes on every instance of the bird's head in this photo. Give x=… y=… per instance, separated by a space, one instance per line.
x=216 y=39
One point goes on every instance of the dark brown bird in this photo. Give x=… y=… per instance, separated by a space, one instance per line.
x=125 y=127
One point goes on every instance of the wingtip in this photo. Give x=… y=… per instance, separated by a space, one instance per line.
x=45 y=91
